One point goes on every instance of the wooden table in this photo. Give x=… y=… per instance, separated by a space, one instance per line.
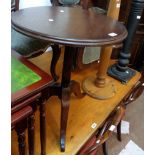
x=29 y=86
x=70 y=26
x=82 y=114
x=20 y=121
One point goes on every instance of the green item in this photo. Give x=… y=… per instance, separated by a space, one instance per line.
x=21 y=75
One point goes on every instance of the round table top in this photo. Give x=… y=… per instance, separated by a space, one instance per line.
x=68 y=25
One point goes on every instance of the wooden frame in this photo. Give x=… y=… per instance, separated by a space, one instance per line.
x=31 y=95
x=21 y=120
x=33 y=89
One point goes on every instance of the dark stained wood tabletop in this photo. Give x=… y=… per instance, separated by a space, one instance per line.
x=68 y=25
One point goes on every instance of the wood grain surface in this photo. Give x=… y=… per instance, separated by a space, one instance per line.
x=82 y=114
x=68 y=25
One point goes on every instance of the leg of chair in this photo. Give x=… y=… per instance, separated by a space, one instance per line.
x=119 y=131
x=42 y=129
x=20 y=129
x=55 y=58
x=104 y=146
x=21 y=143
x=31 y=134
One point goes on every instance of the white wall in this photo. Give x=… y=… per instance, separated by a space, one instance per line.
x=33 y=3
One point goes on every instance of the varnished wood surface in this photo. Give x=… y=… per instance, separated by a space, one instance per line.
x=113 y=12
x=82 y=114
x=34 y=88
x=20 y=115
x=74 y=26
x=100 y=87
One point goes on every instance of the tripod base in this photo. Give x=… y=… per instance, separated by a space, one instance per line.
x=124 y=77
x=105 y=92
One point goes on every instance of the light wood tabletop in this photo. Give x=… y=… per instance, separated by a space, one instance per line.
x=83 y=113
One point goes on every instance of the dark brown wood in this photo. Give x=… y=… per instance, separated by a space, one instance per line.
x=15 y=5
x=67 y=66
x=20 y=115
x=31 y=134
x=63 y=28
x=119 y=131
x=25 y=102
x=34 y=94
x=92 y=32
x=84 y=4
x=42 y=128
x=19 y=122
x=100 y=3
x=33 y=89
x=68 y=87
x=21 y=141
x=134 y=93
x=64 y=116
x=56 y=54
x=66 y=92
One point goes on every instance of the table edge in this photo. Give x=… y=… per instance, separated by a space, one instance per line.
x=24 y=93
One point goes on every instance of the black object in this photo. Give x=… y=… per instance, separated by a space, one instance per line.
x=121 y=71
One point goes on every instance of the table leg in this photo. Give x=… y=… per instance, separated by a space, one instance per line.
x=64 y=116
x=65 y=94
x=101 y=87
x=63 y=91
x=119 y=131
x=56 y=55
x=67 y=87
x=42 y=128
x=20 y=129
x=31 y=134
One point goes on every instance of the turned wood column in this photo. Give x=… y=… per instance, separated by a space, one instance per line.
x=113 y=12
x=101 y=87
x=121 y=71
